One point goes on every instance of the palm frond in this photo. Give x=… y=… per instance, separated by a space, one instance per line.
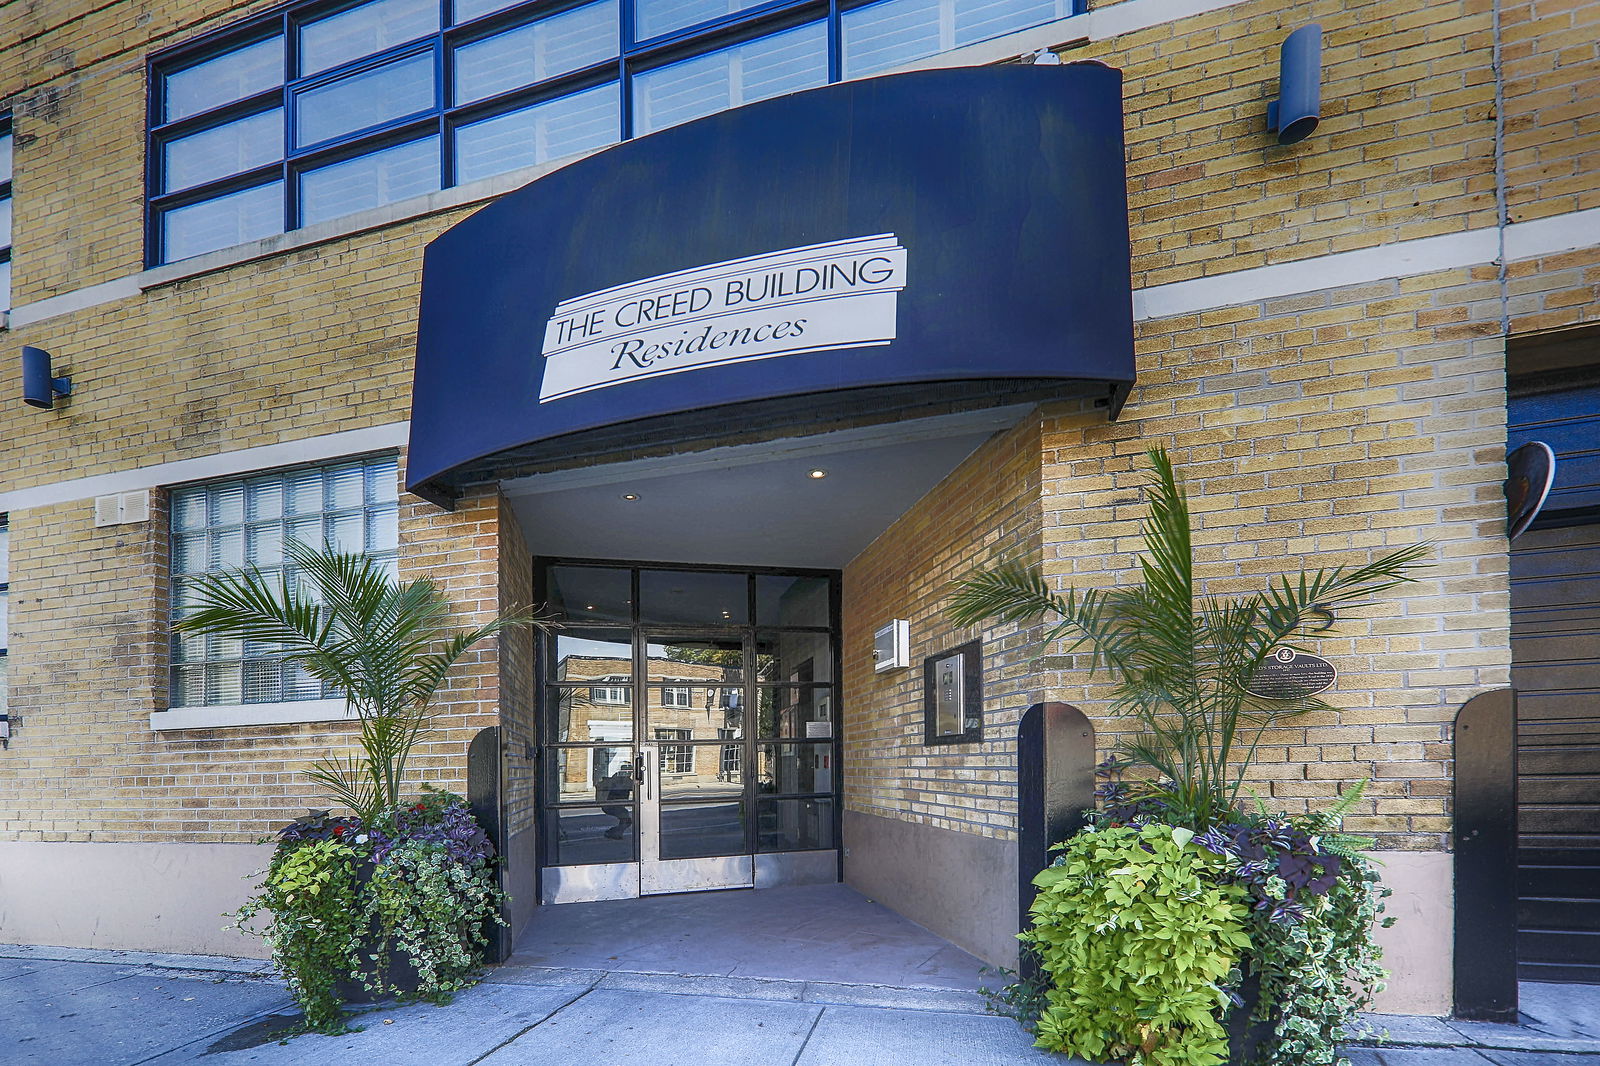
x=1007 y=592
x=387 y=646
x=1182 y=662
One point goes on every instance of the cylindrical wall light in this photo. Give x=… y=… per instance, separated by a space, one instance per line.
x=1298 y=108
x=39 y=389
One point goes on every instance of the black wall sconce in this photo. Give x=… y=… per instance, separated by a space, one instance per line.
x=39 y=389
x=1298 y=108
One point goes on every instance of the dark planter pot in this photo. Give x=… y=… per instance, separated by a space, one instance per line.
x=1246 y=1037
x=396 y=970
x=394 y=964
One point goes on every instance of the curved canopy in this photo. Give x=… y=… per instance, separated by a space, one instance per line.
x=861 y=251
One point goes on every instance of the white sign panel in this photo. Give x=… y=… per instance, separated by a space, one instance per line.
x=842 y=294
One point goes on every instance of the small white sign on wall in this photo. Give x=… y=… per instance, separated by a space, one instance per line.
x=841 y=294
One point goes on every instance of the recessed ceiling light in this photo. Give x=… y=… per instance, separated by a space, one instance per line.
x=630 y=496
x=817 y=474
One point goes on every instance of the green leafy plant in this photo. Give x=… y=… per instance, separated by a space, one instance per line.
x=344 y=900
x=345 y=621
x=315 y=923
x=1181 y=660
x=405 y=880
x=1138 y=929
x=1304 y=906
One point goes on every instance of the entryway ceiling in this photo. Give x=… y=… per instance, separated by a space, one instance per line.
x=754 y=504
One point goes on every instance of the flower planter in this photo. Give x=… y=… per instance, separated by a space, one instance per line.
x=395 y=969
x=1247 y=1037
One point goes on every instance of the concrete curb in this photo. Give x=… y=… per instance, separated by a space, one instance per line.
x=945 y=1000
x=142 y=959
x=722 y=986
x=1407 y=1031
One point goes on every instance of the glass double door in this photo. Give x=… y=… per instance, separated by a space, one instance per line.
x=689 y=723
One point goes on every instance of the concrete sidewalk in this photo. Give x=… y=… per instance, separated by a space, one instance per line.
x=66 y=1007
x=75 y=1007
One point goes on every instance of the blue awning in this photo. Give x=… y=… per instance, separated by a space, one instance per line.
x=865 y=250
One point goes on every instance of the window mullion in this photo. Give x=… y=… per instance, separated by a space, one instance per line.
x=835 y=43
x=291 y=123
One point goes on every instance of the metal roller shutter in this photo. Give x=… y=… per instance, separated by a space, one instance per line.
x=1555 y=639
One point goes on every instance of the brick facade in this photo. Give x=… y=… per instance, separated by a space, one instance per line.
x=1323 y=408
x=90 y=649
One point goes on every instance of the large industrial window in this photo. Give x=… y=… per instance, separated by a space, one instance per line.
x=6 y=141
x=318 y=110
x=242 y=522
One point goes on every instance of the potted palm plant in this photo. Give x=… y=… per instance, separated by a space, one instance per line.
x=393 y=897
x=1178 y=897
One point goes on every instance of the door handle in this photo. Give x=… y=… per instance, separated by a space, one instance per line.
x=641 y=774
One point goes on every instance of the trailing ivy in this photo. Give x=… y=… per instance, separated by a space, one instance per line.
x=342 y=898
x=315 y=920
x=1320 y=970
x=433 y=908
x=1138 y=928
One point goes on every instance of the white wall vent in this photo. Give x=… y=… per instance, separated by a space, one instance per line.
x=124 y=508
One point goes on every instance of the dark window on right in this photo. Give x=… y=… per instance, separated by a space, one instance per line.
x=952 y=695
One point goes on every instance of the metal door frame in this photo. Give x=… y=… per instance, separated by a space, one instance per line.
x=623 y=880
x=658 y=876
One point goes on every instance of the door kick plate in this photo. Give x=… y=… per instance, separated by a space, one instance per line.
x=695 y=875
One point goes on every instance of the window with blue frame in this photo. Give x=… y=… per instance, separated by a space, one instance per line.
x=317 y=110
x=5 y=217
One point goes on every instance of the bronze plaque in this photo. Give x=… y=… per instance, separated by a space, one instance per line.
x=1292 y=675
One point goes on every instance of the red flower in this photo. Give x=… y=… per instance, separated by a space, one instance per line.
x=338 y=830
x=419 y=808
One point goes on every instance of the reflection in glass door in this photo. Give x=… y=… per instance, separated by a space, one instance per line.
x=693 y=808
x=688 y=729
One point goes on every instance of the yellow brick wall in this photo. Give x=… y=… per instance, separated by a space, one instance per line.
x=74 y=75
x=310 y=342
x=1316 y=430
x=1319 y=431
x=988 y=507
x=1405 y=148
x=89 y=663
x=320 y=339
x=1551 y=53
x=517 y=654
x=1554 y=291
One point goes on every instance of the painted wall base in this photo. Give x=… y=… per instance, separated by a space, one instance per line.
x=963 y=887
x=172 y=897
x=1417 y=951
x=958 y=885
x=137 y=897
